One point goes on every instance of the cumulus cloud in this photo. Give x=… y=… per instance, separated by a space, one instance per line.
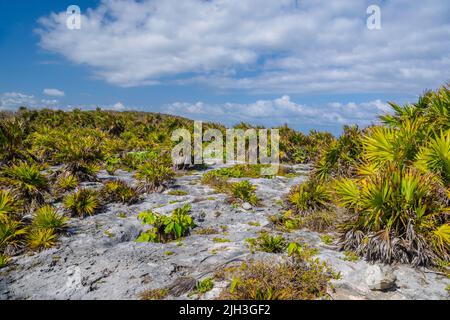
x=54 y=92
x=283 y=110
x=317 y=46
x=15 y=100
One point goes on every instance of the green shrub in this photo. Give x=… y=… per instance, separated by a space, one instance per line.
x=204 y=286
x=47 y=217
x=3 y=260
x=154 y=176
x=309 y=196
x=391 y=206
x=154 y=294
x=166 y=228
x=82 y=202
x=66 y=182
x=294 y=279
x=119 y=191
x=41 y=239
x=268 y=243
x=27 y=180
x=11 y=234
x=9 y=205
x=244 y=191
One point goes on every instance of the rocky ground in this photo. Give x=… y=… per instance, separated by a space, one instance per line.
x=99 y=258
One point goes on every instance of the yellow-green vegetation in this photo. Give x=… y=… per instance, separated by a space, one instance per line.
x=206 y=231
x=392 y=182
x=350 y=256
x=66 y=182
x=299 y=277
x=82 y=202
x=3 y=261
x=26 y=181
x=320 y=221
x=177 y=193
x=154 y=175
x=17 y=233
x=48 y=217
x=166 y=228
x=239 y=192
x=154 y=294
x=204 y=286
x=220 y=240
x=244 y=191
x=119 y=191
x=326 y=239
x=254 y=224
x=268 y=243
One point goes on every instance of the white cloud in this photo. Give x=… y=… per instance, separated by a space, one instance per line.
x=54 y=92
x=283 y=110
x=15 y=100
x=323 y=46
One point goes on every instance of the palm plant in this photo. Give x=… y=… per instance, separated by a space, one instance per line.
x=27 y=181
x=244 y=191
x=9 y=205
x=119 y=191
x=41 y=239
x=308 y=197
x=435 y=157
x=11 y=233
x=13 y=133
x=82 y=202
x=47 y=217
x=166 y=228
x=398 y=216
x=154 y=176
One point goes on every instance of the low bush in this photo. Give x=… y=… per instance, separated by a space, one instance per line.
x=268 y=243
x=47 y=217
x=154 y=176
x=119 y=191
x=166 y=228
x=27 y=181
x=244 y=191
x=297 y=278
x=82 y=202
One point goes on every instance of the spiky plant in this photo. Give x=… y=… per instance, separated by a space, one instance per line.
x=38 y=239
x=27 y=181
x=82 y=202
x=66 y=182
x=11 y=234
x=244 y=191
x=47 y=217
x=13 y=134
x=398 y=216
x=119 y=191
x=3 y=260
x=154 y=176
x=9 y=205
x=308 y=197
x=435 y=157
x=81 y=152
x=341 y=156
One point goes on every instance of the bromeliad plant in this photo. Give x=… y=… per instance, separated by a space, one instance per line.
x=166 y=228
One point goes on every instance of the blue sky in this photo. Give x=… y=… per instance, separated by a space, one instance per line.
x=314 y=65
